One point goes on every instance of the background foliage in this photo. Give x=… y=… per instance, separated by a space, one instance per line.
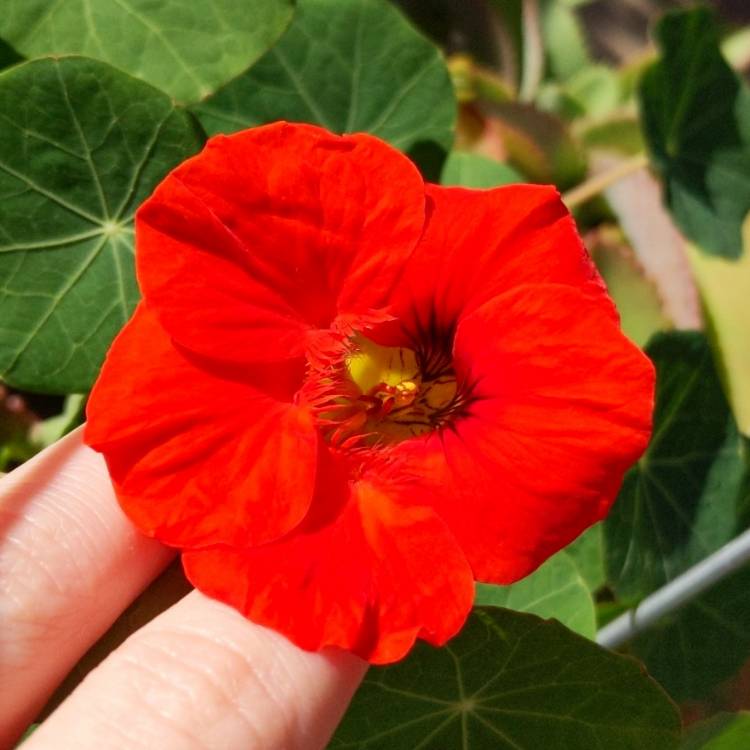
x=650 y=140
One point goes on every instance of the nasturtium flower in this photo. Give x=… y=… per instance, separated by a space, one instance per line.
x=348 y=394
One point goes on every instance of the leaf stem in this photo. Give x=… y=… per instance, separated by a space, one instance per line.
x=600 y=182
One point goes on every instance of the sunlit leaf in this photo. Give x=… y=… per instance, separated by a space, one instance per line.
x=735 y=46
x=597 y=90
x=352 y=65
x=620 y=134
x=722 y=732
x=564 y=41
x=188 y=49
x=84 y=146
x=556 y=589
x=474 y=171
x=636 y=296
x=49 y=430
x=510 y=681
x=725 y=288
x=696 y=119
x=587 y=553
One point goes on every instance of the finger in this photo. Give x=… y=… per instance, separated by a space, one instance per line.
x=70 y=562
x=202 y=676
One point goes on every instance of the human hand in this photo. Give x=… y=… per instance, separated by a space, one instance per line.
x=198 y=676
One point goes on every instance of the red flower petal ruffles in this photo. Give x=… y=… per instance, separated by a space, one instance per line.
x=348 y=394
x=271 y=233
x=206 y=437
x=369 y=571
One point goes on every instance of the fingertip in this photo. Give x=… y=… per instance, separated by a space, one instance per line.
x=70 y=563
x=201 y=675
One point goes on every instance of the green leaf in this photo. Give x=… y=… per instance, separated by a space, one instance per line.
x=722 y=732
x=556 y=589
x=686 y=498
x=682 y=500
x=188 y=49
x=702 y=644
x=564 y=41
x=587 y=553
x=84 y=146
x=725 y=289
x=31 y=729
x=16 y=420
x=596 y=89
x=619 y=133
x=607 y=611
x=696 y=120
x=735 y=46
x=50 y=430
x=8 y=56
x=348 y=65
x=473 y=171
x=554 y=99
x=510 y=681
x=635 y=294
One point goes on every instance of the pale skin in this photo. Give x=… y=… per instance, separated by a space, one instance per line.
x=198 y=676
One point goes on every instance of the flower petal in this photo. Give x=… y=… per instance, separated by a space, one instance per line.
x=196 y=457
x=478 y=244
x=562 y=407
x=273 y=231
x=369 y=572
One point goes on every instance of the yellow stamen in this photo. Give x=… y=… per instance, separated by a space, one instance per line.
x=371 y=365
x=399 y=401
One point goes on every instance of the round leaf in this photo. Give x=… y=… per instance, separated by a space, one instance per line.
x=680 y=502
x=348 y=65
x=688 y=496
x=465 y=169
x=702 y=644
x=587 y=553
x=556 y=589
x=510 y=681
x=187 y=49
x=725 y=289
x=85 y=145
x=696 y=120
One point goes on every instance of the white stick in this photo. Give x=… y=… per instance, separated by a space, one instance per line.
x=678 y=592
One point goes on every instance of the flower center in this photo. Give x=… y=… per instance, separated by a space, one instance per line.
x=375 y=394
x=400 y=400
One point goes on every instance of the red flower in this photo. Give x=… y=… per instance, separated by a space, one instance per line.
x=347 y=394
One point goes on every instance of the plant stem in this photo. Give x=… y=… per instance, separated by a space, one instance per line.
x=533 y=51
x=600 y=182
